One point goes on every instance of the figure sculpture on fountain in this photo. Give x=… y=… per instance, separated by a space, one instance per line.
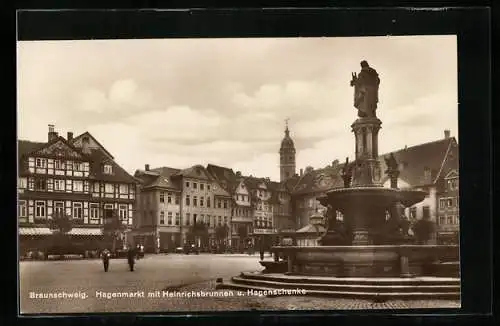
x=366 y=86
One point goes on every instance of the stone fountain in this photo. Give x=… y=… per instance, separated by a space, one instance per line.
x=370 y=251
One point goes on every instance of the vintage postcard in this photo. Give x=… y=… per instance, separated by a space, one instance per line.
x=230 y=174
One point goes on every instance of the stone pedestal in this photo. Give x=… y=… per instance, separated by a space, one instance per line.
x=366 y=171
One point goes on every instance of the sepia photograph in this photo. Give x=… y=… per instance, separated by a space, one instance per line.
x=238 y=174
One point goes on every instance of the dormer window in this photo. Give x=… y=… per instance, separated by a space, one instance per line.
x=108 y=169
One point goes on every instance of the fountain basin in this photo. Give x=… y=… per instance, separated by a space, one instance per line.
x=367 y=261
x=375 y=196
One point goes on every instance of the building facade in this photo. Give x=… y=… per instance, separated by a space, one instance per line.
x=173 y=201
x=76 y=177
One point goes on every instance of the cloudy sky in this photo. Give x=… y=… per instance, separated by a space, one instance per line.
x=180 y=102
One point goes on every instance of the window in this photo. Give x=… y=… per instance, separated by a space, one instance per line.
x=225 y=203
x=39 y=209
x=94 y=211
x=108 y=188
x=78 y=186
x=442 y=220
x=77 y=166
x=426 y=212
x=41 y=163
x=176 y=199
x=195 y=201
x=169 y=198
x=202 y=218
x=123 y=189
x=122 y=211
x=188 y=217
x=40 y=184
x=169 y=218
x=195 y=185
x=177 y=218
x=450 y=219
x=225 y=219
x=413 y=212
x=58 y=165
x=162 y=217
x=22 y=208
x=449 y=202
x=69 y=165
x=108 y=169
x=23 y=183
x=219 y=204
x=187 y=184
x=77 y=210
x=442 y=203
x=202 y=186
x=96 y=187
x=208 y=187
x=162 y=197
x=58 y=208
x=208 y=201
x=219 y=221
x=201 y=201
x=59 y=185
x=195 y=219
x=453 y=184
x=188 y=200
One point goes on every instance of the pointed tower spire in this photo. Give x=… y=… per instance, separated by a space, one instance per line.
x=287 y=155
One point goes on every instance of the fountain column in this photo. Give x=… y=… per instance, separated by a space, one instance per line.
x=366 y=173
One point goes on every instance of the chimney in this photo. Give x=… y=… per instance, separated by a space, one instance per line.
x=70 y=136
x=301 y=172
x=52 y=134
x=446 y=134
x=146 y=167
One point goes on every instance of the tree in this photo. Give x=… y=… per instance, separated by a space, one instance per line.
x=60 y=224
x=221 y=233
x=423 y=230
x=113 y=228
x=199 y=230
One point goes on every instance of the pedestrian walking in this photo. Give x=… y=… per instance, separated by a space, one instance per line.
x=105 y=255
x=131 y=258
x=261 y=249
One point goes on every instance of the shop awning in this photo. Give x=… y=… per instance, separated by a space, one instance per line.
x=85 y=231
x=35 y=231
x=47 y=231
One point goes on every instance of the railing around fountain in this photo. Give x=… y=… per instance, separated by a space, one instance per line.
x=389 y=260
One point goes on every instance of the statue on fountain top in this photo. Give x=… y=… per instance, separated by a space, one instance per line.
x=347 y=173
x=366 y=90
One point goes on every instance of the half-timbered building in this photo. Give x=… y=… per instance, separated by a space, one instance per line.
x=74 y=176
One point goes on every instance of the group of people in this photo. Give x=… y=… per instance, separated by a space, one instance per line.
x=132 y=255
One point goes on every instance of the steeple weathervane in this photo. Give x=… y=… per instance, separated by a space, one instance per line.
x=286 y=126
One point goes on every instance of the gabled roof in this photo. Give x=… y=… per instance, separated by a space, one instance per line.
x=99 y=158
x=86 y=133
x=413 y=162
x=159 y=177
x=415 y=159
x=312 y=228
x=30 y=148
x=320 y=180
x=196 y=172
x=225 y=176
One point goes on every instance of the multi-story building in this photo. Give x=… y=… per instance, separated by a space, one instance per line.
x=159 y=209
x=75 y=176
x=173 y=200
x=448 y=209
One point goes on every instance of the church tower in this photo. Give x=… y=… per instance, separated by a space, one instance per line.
x=287 y=156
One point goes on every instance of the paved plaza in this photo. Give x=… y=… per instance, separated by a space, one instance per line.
x=161 y=283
